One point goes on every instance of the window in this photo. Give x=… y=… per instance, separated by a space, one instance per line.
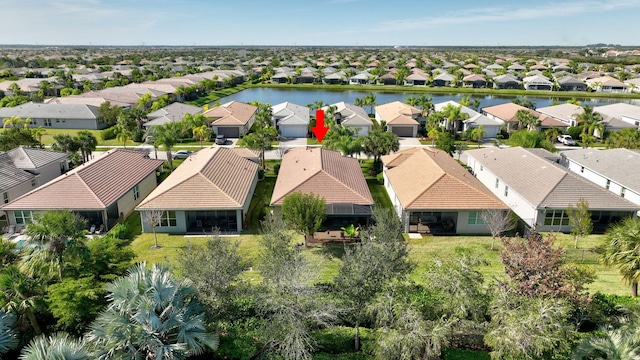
x=608 y=184
x=556 y=218
x=47 y=122
x=136 y=193
x=475 y=218
x=23 y=217
x=168 y=219
x=33 y=182
x=5 y=197
x=623 y=191
x=497 y=182
x=506 y=191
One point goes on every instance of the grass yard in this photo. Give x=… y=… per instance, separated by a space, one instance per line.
x=260 y=203
x=379 y=194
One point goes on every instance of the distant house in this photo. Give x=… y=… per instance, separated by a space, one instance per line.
x=619 y=116
x=102 y=190
x=506 y=81
x=59 y=116
x=417 y=78
x=171 y=113
x=607 y=84
x=335 y=78
x=474 y=119
x=212 y=189
x=388 y=79
x=609 y=169
x=539 y=191
x=444 y=79
x=432 y=193
x=232 y=119
x=325 y=173
x=570 y=83
x=352 y=116
x=291 y=120
x=401 y=119
x=474 y=81
x=507 y=112
x=537 y=82
x=363 y=78
x=566 y=113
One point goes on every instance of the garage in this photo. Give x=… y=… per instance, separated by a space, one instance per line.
x=230 y=132
x=293 y=131
x=403 y=131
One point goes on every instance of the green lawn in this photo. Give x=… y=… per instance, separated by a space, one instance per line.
x=379 y=194
x=260 y=203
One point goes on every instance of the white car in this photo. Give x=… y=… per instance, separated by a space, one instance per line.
x=566 y=140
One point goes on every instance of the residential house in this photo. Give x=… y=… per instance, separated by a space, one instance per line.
x=417 y=78
x=607 y=84
x=474 y=119
x=291 y=120
x=363 y=78
x=174 y=112
x=507 y=112
x=327 y=174
x=539 y=191
x=570 y=83
x=401 y=119
x=351 y=116
x=212 y=189
x=335 y=78
x=474 y=81
x=102 y=190
x=432 y=193
x=612 y=169
x=566 y=113
x=633 y=85
x=444 y=79
x=537 y=82
x=506 y=81
x=232 y=119
x=619 y=116
x=58 y=116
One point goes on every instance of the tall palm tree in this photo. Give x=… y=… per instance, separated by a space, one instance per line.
x=452 y=114
x=88 y=144
x=58 y=346
x=22 y=295
x=122 y=134
x=151 y=315
x=201 y=132
x=477 y=134
x=589 y=119
x=622 y=251
x=37 y=132
x=527 y=119
x=167 y=135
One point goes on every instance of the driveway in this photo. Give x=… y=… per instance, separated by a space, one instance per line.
x=406 y=142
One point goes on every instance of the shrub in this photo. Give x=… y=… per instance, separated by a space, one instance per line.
x=276 y=169
x=380 y=178
x=137 y=135
x=108 y=133
x=575 y=132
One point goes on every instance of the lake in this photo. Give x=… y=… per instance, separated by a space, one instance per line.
x=275 y=96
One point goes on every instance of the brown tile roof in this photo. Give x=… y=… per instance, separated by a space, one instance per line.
x=322 y=172
x=232 y=113
x=425 y=178
x=508 y=111
x=94 y=185
x=212 y=178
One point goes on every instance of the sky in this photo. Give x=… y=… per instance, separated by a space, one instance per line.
x=320 y=22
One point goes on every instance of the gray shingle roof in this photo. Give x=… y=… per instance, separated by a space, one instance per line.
x=619 y=165
x=10 y=175
x=543 y=183
x=51 y=111
x=33 y=158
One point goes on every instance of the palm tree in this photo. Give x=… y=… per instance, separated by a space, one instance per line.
x=477 y=134
x=58 y=346
x=370 y=99
x=622 y=251
x=122 y=134
x=151 y=315
x=22 y=295
x=14 y=121
x=201 y=132
x=588 y=119
x=37 y=132
x=434 y=133
x=8 y=335
x=167 y=135
x=615 y=344
x=552 y=134
x=528 y=119
x=88 y=144
x=452 y=114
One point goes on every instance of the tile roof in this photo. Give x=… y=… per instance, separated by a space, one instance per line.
x=425 y=178
x=322 y=172
x=33 y=158
x=10 y=175
x=398 y=113
x=211 y=178
x=543 y=183
x=94 y=185
x=50 y=111
x=291 y=114
x=563 y=112
x=233 y=113
x=351 y=115
x=508 y=111
x=619 y=165
x=176 y=110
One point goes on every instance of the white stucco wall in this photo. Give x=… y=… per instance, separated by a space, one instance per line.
x=127 y=203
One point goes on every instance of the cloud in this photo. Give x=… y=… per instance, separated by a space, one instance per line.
x=508 y=14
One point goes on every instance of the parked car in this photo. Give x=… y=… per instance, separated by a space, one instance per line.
x=566 y=140
x=221 y=140
x=181 y=154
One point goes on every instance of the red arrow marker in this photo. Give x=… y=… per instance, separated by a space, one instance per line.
x=320 y=130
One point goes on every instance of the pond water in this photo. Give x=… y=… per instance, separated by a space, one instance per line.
x=306 y=96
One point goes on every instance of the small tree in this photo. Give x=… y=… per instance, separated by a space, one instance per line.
x=153 y=218
x=304 y=212
x=580 y=220
x=498 y=221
